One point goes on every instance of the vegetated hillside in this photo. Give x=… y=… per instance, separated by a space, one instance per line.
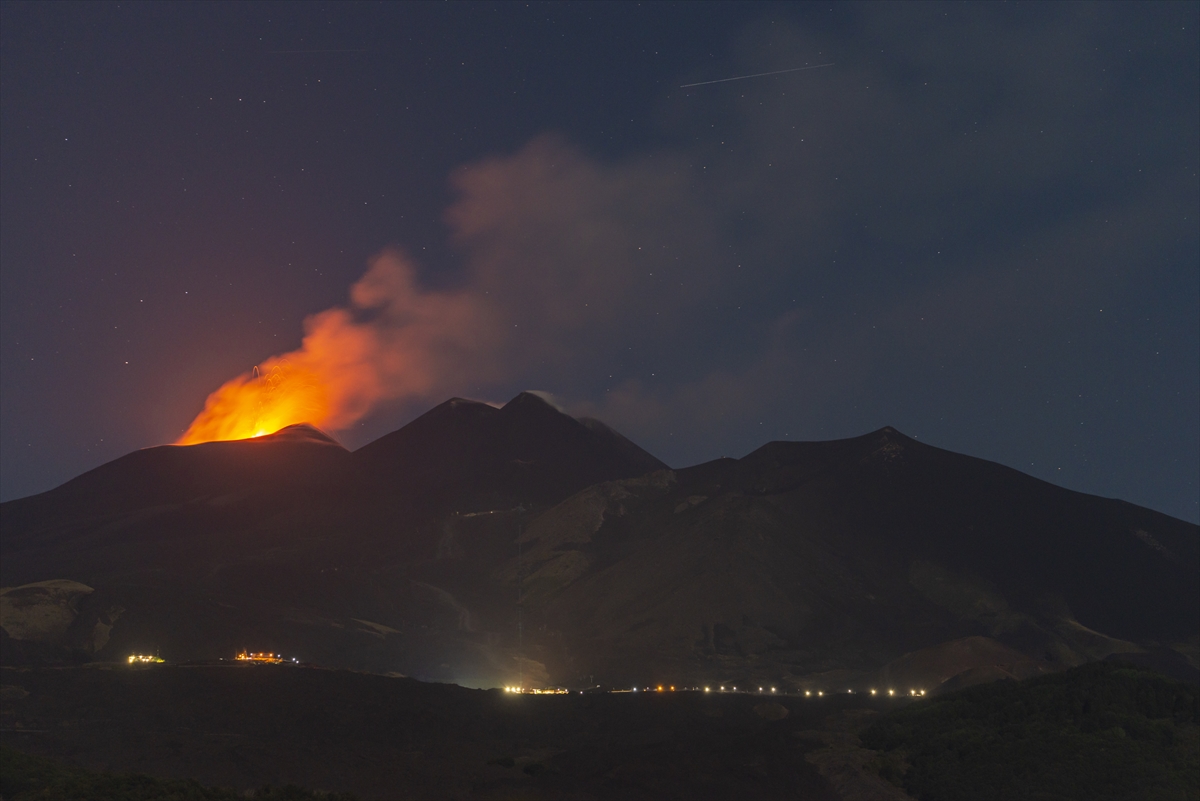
x=1103 y=731
x=385 y=738
x=30 y=778
x=811 y=565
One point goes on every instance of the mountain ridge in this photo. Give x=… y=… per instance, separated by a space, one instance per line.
x=801 y=562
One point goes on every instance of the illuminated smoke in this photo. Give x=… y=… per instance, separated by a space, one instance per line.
x=569 y=262
x=394 y=341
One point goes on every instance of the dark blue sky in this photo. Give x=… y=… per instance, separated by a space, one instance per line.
x=979 y=226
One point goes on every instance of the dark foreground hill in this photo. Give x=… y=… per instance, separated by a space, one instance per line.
x=24 y=777
x=493 y=546
x=1105 y=731
x=1102 y=731
x=385 y=738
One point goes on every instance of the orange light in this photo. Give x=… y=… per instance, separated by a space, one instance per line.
x=142 y=659
x=256 y=404
x=660 y=688
x=388 y=343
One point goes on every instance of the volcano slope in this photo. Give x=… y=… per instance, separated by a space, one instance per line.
x=377 y=560
x=493 y=546
x=816 y=564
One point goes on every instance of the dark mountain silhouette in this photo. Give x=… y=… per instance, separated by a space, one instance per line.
x=152 y=478
x=805 y=564
x=823 y=561
x=475 y=455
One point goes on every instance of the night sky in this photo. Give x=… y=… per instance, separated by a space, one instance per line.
x=979 y=225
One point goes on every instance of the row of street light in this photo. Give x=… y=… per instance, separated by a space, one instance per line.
x=661 y=688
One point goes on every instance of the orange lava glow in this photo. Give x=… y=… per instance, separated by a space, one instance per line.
x=261 y=402
x=394 y=341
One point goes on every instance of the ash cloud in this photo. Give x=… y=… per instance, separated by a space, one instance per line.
x=829 y=251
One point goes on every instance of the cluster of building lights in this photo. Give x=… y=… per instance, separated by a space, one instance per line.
x=260 y=658
x=144 y=659
x=535 y=691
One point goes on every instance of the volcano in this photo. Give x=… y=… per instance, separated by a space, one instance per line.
x=487 y=546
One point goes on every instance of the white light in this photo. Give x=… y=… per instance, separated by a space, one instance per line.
x=772 y=689
x=807 y=693
x=872 y=692
x=706 y=689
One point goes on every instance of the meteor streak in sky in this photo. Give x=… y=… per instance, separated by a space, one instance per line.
x=318 y=51
x=756 y=75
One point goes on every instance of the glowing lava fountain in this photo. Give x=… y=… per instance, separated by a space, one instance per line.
x=254 y=404
x=394 y=341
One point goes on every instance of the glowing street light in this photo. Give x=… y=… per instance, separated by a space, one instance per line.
x=142 y=659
